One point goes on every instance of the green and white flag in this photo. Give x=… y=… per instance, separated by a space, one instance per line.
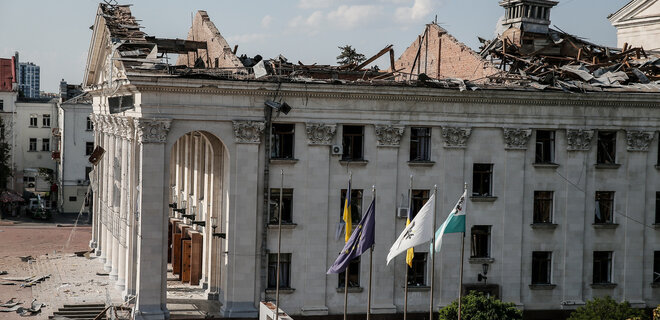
x=455 y=222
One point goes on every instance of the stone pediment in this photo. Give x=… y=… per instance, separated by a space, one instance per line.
x=636 y=10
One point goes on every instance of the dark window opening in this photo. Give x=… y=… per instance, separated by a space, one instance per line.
x=545 y=146
x=480 y=242
x=353 y=143
x=45 y=121
x=482 y=174
x=33 y=144
x=45 y=145
x=604 y=207
x=73 y=199
x=417 y=273
x=90 y=124
x=353 y=275
x=543 y=206
x=282 y=143
x=420 y=144
x=33 y=120
x=656 y=266
x=356 y=205
x=606 y=151
x=285 y=270
x=602 y=267
x=2 y=105
x=541 y=267
x=419 y=198
x=87 y=171
x=657 y=207
x=287 y=201
x=89 y=148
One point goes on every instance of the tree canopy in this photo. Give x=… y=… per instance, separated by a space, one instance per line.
x=607 y=309
x=5 y=155
x=349 y=55
x=477 y=306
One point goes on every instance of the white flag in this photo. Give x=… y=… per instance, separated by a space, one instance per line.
x=419 y=230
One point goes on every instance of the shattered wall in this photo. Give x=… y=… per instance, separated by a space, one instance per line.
x=445 y=57
x=219 y=53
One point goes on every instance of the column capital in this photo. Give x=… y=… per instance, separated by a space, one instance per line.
x=128 y=128
x=389 y=135
x=248 y=131
x=152 y=130
x=638 y=140
x=116 y=125
x=516 y=138
x=579 y=139
x=456 y=137
x=320 y=133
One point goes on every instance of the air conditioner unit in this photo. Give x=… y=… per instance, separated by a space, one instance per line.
x=337 y=150
x=402 y=212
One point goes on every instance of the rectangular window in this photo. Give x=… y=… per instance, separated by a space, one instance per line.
x=353 y=275
x=420 y=144
x=282 y=143
x=419 y=198
x=73 y=199
x=285 y=270
x=417 y=273
x=604 y=207
x=2 y=105
x=656 y=266
x=480 y=242
x=545 y=146
x=90 y=124
x=657 y=208
x=543 y=206
x=87 y=171
x=356 y=205
x=482 y=175
x=45 y=145
x=89 y=148
x=33 y=144
x=602 y=267
x=33 y=120
x=287 y=201
x=541 y=267
x=45 y=121
x=606 y=151
x=353 y=142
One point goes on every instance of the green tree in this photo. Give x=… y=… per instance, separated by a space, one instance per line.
x=348 y=55
x=5 y=155
x=607 y=309
x=477 y=306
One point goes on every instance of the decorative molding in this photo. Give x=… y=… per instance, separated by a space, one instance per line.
x=638 y=140
x=456 y=137
x=152 y=130
x=116 y=126
x=248 y=131
x=516 y=139
x=579 y=139
x=128 y=126
x=389 y=135
x=320 y=133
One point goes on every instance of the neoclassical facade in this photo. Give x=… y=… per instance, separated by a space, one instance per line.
x=563 y=188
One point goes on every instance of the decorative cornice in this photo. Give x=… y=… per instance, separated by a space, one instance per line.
x=579 y=139
x=106 y=123
x=516 y=139
x=320 y=133
x=389 y=135
x=152 y=130
x=128 y=126
x=248 y=131
x=456 y=137
x=116 y=125
x=638 y=140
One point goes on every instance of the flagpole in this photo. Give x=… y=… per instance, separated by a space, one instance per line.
x=405 y=298
x=350 y=179
x=279 y=248
x=460 y=274
x=435 y=201
x=371 y=259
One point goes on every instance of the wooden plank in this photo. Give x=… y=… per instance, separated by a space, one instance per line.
x=196 y=257
x=176 y=253
x=186 y=251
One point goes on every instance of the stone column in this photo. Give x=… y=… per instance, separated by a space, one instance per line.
x=96 y=184
x=114 y=203
x=152 y=226
x=124 y=184
x=106 y=256
x=214 y=206
x=131 y=261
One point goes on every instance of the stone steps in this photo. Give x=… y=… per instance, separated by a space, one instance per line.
x=79 y=311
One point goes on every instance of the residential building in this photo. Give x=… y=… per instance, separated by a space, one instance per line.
x=638 y=24
x=8 y=96
x=29 y=79
x=556 y=226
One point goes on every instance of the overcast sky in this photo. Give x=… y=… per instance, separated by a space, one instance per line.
x=55 y=34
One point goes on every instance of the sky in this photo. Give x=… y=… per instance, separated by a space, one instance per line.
x=56 y=34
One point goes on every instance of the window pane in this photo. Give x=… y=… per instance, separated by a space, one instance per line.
x=604 y=207
x=656 y=267
x=417 y=273
x=352 y=142
x=606 y=151
x=420 y=144
x=480 y=242
x=282 y=143
x=545 y=146
x=602 y=270
x=353 y=275
x=482 y=176
x=543 y=206
x=287 y=199
x=419 y=198
x=285 y=270
x=356 y=205
x=541 y=267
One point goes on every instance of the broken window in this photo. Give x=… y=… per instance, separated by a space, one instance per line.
x=356 y=205
x=45 y=121
x=282 y=143
x=353 y=275
x=604 y=207
x=602 y=267
x=419 y=198
x=90 y=124
x=417 y=273
x=287 y=201
x=543 y=206
x=420 y=144
x=89 y=148
x=606 y=151
x=480 y=242
x=545 y=146
x=33 y=120
x=656 y=266
x=541 y=267
x=33 y=144
x=45 y=145
x=285 y=270
x=353 y=142
x=482 y=175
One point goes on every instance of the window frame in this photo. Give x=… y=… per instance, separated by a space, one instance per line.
x=287 y=206
x=356 y=205
x=88 y=151
x=2 y=105
x=353 y=275
x=420 y=144
x=657 y=207
x=541 y=198
x=32 y=146
x=656 y=267
x=545 y=147
x=480 y=231
x=541 y=267
x=601 y=196
x=89 y=124
x=607 y=258
x=45 y=118
x=285 y=269
x=478 y=177
x=418 y=270
x=45 y=144
x=419 y=198
x=34 y=121
x=280 y=137
x=349 y=141
x=606 y=148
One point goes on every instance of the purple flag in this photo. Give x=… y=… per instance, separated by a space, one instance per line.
x=360 y=241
